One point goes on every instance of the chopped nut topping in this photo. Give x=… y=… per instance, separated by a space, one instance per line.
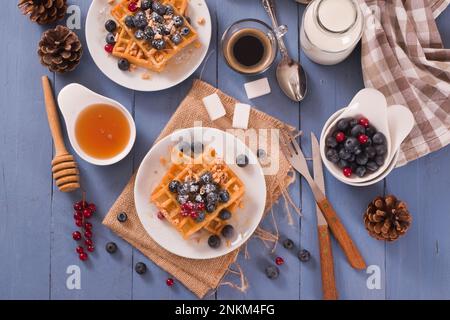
x=201 y=21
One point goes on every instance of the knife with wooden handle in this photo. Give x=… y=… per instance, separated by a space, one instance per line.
x=326 y=253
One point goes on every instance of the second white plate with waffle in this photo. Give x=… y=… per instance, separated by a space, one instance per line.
x=177 y=70
x=244 y=220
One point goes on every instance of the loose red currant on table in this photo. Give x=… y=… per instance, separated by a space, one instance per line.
x=87 y=213
x=170 y=282
x=340 y=136
x=88 y=234
x=89 y=242
x=79 y=249
x=83 y=256
x=78 y=215
x=363 y=139
x=279 y=261
x=79 y=223
x=92 y=207
x=133 y=6
x=347 y=171
x=88 y=226
x=91 y=248
x=76 y=235
x=364 y=122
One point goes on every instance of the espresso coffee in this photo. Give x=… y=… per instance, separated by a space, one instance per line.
x=249 y=51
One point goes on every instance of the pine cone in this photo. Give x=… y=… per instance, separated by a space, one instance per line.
x=60 y=49
x=43 y=11
x=387 y=218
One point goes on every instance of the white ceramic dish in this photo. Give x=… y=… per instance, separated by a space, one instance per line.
x=391 y=165
x=73 y=99
x=244 y=221
x=182 y=66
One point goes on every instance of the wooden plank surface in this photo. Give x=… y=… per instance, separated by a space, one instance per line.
x=35 y=233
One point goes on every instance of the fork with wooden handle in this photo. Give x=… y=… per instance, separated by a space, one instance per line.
x=294 y=154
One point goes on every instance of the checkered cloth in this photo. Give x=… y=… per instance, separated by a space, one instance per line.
x=403 y=57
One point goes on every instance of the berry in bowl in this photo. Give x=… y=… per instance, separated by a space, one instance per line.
x=356 y=147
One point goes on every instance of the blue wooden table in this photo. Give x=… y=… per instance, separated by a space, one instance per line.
x=36 y=222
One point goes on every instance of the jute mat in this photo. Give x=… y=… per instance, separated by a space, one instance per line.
x=199 y=276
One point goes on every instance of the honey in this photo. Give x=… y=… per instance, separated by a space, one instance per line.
x=102 y=131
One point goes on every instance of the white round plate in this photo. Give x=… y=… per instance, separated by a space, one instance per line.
x=177 y=70
x=245 y=220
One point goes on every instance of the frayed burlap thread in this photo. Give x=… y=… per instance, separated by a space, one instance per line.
x=199 y=276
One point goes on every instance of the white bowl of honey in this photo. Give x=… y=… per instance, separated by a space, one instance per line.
x=101 y=130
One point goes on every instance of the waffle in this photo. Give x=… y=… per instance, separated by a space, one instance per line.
x=167 y=203
x=141 y=52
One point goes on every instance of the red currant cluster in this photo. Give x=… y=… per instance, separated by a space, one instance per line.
x=83 y=211
x=192 y=209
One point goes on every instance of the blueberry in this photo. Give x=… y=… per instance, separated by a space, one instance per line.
x=178 y=21
x=371 y=152
x=206 y=177
x=158 y=44
x=358 y=150
x=197 y=147
x=185 y=31
x=188 y=20
x=140 y=20
x=332 y=155
x=184 y=147
x=344 y=154
x=379 y=138
x=360 y=171
x=351 y=144
x=353 y=122
x=122 y=217
x=214 y=241
x=272 y=272
x=288 y=244
x=193 y=187
x=164 y=30
x=227 y=231
x=224 y=214
x=381 y=149
x=146 y=4
x=183 y=188
x=169 y=10
x=357 y=130
x=261 y=153
x=110 y=38
x=201 y=216
x=362 y=158
x=210 y=207
x=212 y=197
x=331 y=142
x=242 y=160
x=129 y=21
x=139 y=34
x=370 y=131
x=198 y=198
x=379 y=160
x=182 y=198
x=149 y=33
x=342 y=163
x=123 y=64
x=210 y=188
x=343 y=124
x=111 y=247
x=353 y=166
x=176 y=38
x=159 y=8
x=372 y=166
x=304 y=255
x=224 y=196
x=352 y=158
x=173 y=186
x=140 y=268
x=110 y=26
x=156 y=17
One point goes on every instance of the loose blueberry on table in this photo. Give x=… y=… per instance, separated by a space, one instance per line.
x=272 y=272
x=83 y=211
x=140 y=268
x=356 y=147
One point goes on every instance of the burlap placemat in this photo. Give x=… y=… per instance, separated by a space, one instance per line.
x=200 y=276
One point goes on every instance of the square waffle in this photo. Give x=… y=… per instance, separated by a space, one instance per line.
x=141 y=52
x=167 y=203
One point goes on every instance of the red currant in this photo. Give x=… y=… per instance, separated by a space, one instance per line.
x=88 y=226
x=79 y=223
x=76 y=235
x=160 y=215
x=363 y=139
x=347 y=171
x=89 y=242
x=80 y=249
x=82 y=204
x=340 y=136
x=194 y=214
x=87 y=213
x=92 y=207
x=77 y=207
x=109 y=48
x=170 y=282
x=364 y=122
x=200 y=206
x=133 y=6
x=90 y=248
x=184 y=213
x=279 y=261
x=83 y=256
x=88 y=234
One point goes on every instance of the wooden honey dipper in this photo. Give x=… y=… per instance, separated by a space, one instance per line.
x=64 y=168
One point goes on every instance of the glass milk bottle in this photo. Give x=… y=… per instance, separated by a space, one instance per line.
x=330 y=30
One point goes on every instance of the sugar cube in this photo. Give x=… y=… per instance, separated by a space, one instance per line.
x=257 y=88
x=241 y=115
x=214 y=106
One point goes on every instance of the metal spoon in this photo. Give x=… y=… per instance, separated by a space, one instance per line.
x=290 y=74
